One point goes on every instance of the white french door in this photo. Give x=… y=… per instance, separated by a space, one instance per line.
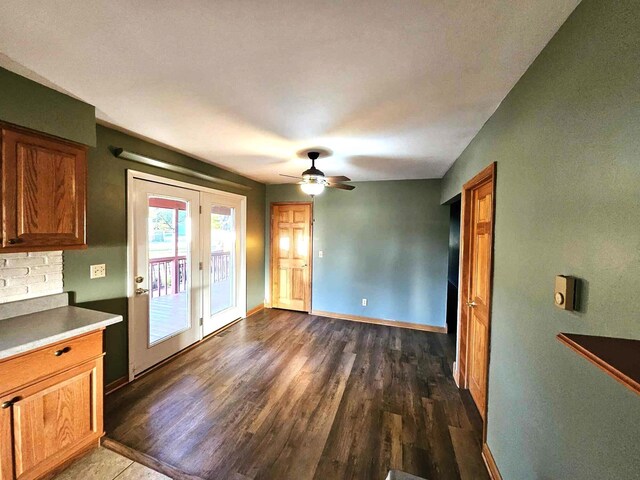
x=165 y=308
x=223 y=236
x=187 y=265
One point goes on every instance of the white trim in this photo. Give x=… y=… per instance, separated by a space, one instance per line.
x=130 y=270
x=130 y=196
x=168 y=181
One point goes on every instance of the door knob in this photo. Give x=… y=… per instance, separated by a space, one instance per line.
x=471 y=304
x=141 y=291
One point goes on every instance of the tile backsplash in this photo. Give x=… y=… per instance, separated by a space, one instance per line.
x=28 y=275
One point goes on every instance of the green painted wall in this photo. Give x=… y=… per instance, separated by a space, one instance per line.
x=29 y=104
x=567 y=143
x=384 y=241
x=106 y=234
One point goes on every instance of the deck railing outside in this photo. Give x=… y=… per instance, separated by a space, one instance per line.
x=220 y=266
x=169 y=274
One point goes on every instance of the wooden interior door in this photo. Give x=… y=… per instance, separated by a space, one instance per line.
x=43 y=191
x=291 y=256
x=475 y=299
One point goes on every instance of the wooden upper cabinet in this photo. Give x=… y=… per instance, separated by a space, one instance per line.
x=43 y=192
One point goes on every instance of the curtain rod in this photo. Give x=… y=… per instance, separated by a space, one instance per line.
x=136 y=157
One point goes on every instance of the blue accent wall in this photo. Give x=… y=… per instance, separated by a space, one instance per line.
x=384 y=241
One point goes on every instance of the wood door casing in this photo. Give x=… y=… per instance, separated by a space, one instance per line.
x=472 y=365
x=291 y=256
x=43 y=192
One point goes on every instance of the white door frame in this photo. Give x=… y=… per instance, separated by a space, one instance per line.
x=242 y=285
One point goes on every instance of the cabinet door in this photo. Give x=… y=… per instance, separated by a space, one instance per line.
x=56 y=418
x=43 y=192
x=6 y=450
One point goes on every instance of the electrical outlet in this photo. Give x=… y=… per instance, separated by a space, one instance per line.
x=364 y=302
x=98 y=271
x=320 y=254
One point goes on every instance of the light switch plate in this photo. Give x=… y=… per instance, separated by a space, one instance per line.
x=320 y=254
x=98 y=271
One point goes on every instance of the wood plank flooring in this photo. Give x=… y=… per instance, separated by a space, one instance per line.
x=285 y=395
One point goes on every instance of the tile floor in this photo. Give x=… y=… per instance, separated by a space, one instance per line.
x=103 y=464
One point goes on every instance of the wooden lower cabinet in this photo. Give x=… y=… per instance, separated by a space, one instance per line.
x=45 y=424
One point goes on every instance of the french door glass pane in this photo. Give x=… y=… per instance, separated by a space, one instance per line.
x=223 y=252
x=169 y=260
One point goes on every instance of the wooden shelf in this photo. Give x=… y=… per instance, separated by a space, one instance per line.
x=619 y=357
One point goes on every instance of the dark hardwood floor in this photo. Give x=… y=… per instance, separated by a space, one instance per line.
x=285 y=395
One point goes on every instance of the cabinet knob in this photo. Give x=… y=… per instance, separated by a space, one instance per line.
x=57 y=353
x=13 y=241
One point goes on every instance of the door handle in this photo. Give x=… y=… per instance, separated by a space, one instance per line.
x=471 y=304
x=141 y=291
x=305 y=265
x=9 y=403
x=62 y=351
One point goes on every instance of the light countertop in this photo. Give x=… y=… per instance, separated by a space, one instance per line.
x=22 y=333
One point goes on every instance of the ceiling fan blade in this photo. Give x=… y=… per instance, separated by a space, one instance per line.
x=339 y=178
x=341 y=186
x=290 y=176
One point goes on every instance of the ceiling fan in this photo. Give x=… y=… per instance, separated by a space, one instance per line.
x=313 y=181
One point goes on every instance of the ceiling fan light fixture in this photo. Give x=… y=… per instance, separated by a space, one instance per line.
x=312 y=188
x=314 y=181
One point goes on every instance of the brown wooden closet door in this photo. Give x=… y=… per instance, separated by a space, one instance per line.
x=291 y=256
x=43 y=191
x=479 y=291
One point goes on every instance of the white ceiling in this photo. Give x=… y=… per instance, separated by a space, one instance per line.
x=397 y=89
